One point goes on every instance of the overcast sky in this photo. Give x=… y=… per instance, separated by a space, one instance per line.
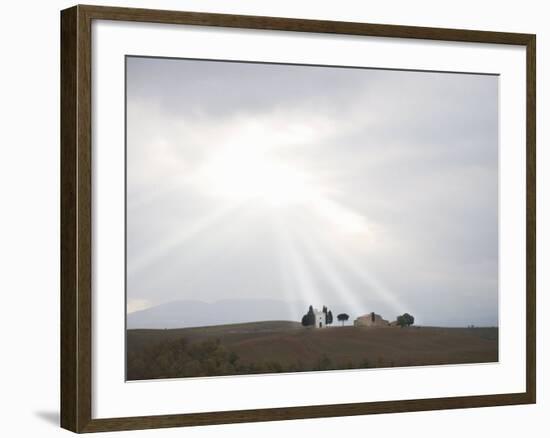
x=365 y=190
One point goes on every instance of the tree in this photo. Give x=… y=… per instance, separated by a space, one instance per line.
x=405 y=320
x=343 y=317
x=328 y=315
x=309 y=318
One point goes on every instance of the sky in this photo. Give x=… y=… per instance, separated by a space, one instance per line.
x=360 y=189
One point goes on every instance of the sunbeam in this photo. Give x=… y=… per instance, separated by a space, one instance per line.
x=298 y=277
x=288 y=286
x=317 y=257
x=364 y=274
x=199 y=226
x=223 y=240
x=330 y=253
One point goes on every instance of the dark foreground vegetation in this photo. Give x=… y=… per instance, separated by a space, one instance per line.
x=282 y=346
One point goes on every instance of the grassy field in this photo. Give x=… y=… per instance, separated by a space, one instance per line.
x=284 y=346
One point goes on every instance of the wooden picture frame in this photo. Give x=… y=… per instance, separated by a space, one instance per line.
x=76 y=217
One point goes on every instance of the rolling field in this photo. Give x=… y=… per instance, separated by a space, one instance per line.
x=284 y=346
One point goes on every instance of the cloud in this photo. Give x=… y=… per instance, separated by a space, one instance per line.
x=411 y=156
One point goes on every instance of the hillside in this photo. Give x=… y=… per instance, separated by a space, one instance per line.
x=284 y=346
x=195 y=313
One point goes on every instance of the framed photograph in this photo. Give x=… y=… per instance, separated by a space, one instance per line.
x=271 y=218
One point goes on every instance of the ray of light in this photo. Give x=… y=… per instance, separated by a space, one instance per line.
x=335 y=255
x=298 y=278
x=173 y=241
x=287 y=285
x=367 y=277
x=338 y=216
x=318 y=258
x=214 y=239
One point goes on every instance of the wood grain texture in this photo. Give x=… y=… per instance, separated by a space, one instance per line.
x=338 y=410
x=302 y=25
x=69 y=327
x=531 y=219
x=76 y=219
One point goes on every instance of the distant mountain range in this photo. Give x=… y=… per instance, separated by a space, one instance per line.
x=194 y=313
